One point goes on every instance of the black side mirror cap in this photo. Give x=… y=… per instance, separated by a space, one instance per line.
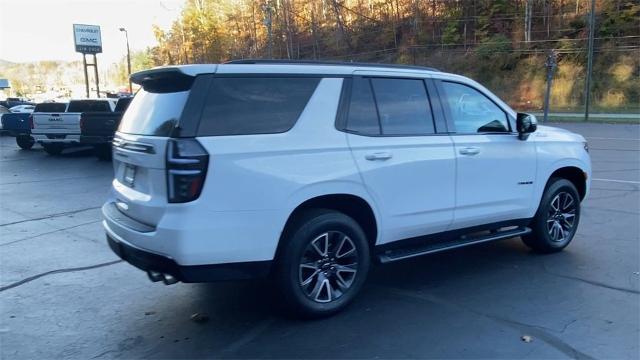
x=526 y=124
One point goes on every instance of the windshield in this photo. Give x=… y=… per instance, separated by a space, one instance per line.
x=152 y=113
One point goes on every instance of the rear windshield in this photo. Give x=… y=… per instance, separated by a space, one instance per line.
x=50 y=107
x=88 y=106
x=122 y=104
x=252 y=105
x=153 y=113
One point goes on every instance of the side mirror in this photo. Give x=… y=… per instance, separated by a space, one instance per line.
x=525 y=124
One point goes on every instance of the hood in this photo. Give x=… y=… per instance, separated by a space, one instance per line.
x=556 y=133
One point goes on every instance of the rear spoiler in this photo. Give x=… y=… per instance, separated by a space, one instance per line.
x=171 y=72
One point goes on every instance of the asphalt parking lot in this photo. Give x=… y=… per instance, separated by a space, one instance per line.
x=63 y=294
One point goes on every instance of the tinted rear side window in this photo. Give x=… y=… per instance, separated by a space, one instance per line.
x=243 y=106
x=403 y=106
x=50 y=107
x=88 y=106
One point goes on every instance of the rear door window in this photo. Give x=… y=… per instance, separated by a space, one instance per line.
x=403 y=106
x=89 y=106
x=50 y=107
x=254 y=105
x=363 y=117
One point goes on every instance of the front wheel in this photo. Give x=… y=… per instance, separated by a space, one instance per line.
x=53 y=149
x=557 y=218
x=25 y=142
x=323 y=264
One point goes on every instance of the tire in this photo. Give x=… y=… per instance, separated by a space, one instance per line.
x=557 y=218
x=323 y=264
x=25 y=142
x=103 y=152
x=53 y=149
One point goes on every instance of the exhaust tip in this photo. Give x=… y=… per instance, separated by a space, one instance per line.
x=169 y=279
x=155 y=276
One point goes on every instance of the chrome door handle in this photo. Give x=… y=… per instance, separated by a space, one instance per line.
x=471 y=150
x=378 y=156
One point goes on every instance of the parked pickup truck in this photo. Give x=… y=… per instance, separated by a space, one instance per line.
x=98 y=128
x=57 y=130
x=19 y=124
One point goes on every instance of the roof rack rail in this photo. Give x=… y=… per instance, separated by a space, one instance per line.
x=321 y=62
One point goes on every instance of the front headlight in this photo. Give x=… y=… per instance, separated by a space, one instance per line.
x=586 y=146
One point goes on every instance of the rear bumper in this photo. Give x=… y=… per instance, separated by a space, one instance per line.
x=151 y=261
x=148 y=261
x=56 y=138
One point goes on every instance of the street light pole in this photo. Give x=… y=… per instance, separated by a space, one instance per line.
x=126 y=35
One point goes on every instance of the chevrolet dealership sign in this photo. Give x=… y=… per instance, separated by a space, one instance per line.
x=87 y=38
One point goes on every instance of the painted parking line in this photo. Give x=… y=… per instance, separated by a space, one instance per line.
x=611 y=138
x=618 y=181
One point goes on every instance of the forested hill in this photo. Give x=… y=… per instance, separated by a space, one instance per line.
x=501 y=43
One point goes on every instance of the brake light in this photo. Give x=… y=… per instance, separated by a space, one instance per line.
x=187 y=163
x=31 y=121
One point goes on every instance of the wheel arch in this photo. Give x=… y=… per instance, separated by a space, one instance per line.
x=352 y=205
x=575 y=175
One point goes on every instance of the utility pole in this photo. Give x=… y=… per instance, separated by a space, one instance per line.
x=587 y=86
x=126 y=34
x=551 y=68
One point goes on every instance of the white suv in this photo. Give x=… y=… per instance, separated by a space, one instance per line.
x=308 y=172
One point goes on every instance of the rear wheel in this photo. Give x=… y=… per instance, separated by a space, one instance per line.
x=53 y=149
x=323 y=264
x=556 y=221
x=25 y=142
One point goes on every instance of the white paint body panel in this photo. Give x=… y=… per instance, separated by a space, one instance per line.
x=254 y=182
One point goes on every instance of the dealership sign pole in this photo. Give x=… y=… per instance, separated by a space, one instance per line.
x=87 y=40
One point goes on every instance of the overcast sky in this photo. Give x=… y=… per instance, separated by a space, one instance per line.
x=33 y=30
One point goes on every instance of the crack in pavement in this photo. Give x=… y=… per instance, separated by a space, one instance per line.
x=50 y=180
x=51 y=216
x=539 y=332
x=591 y=282
x=34 y=277
x=50 y=232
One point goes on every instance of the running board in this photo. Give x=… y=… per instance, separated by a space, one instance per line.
x=409 y=252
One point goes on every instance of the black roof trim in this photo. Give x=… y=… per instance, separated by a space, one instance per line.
x=321 y=62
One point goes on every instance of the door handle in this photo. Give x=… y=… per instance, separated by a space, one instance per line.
x=471 y=150
x=378 y=156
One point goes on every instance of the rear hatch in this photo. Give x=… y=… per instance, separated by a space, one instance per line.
x=143 y=183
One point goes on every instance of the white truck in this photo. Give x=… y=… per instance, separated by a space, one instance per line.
x=55 y=131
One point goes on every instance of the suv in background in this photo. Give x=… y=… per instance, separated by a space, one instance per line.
x=309 y=172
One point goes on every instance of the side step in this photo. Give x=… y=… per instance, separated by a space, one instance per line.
x=430 y=248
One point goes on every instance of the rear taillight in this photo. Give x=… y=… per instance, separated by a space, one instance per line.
x=31 y=121
x=187 y=163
